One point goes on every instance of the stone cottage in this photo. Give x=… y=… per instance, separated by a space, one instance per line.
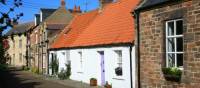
x=168 y=36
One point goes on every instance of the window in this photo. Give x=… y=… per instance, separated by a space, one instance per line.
x=13 y=58
x=36 y=39
x=68 y=57
x=13 y=43
x=63 y=53
x=118 y=70
x=20 y=43
x=81 y=60
x=20 y=57
x=119 y=58
x=174 y=43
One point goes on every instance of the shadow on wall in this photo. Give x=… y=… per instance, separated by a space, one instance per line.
x=9 y=79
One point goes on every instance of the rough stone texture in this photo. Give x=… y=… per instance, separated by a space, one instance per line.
x=152 y=44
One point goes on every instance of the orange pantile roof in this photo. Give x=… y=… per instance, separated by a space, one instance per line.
x=70 y=33
x=113 y=25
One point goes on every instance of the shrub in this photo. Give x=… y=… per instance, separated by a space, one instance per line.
x=35 y=70
x=54 y=66
x=62 y=75
x=25 y=68
x=3 y=67
x=65 y=74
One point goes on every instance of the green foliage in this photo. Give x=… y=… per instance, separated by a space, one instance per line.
x=107 y=85
x=172 y=74
x=35 y=70
x=93 y=79
x=54 y=66
x=7 y=21
x=3 y=67
x=65 y=74
x=172 y=71
x=25 y=68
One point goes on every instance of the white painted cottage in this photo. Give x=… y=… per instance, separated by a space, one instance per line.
x=100 y=44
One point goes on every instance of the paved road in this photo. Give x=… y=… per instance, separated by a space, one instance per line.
x=20 y=79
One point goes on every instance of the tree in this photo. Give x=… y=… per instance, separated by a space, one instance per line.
x=5 y=22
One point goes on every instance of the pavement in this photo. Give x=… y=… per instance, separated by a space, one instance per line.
x=16 y=78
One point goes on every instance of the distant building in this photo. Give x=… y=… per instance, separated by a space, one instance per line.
x=17 y=41
x=48 y=27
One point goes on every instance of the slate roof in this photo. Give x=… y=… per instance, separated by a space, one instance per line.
x=60 y=17
x=46 y=12
x=149 y=3
x=113 y=25
x=20 y=28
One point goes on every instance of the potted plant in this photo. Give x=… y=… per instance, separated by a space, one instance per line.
x=118 y=71
x=93 y=82
x=107 y=85
x=172 y=74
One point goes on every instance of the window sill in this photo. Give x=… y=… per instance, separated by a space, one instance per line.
x=118 y=78
x=80 y=72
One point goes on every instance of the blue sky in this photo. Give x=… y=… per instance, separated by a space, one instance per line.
x=31 y=7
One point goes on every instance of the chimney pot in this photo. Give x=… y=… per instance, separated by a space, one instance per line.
x=63 y=3
x=79 y=9
x=75 y=9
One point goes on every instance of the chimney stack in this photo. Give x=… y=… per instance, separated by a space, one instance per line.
x=76 y=10
x=14 y=23
x=62 y=3
x=102 y=3
x=79 y=9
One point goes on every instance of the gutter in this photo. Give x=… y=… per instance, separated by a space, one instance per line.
x=157 y=4
x=131 y=80
x=137 y=16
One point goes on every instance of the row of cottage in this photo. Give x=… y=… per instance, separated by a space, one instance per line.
x=127 y=43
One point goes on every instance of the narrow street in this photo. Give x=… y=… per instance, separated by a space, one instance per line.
x=19 y=79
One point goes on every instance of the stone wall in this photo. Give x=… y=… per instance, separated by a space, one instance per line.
x=152 y=44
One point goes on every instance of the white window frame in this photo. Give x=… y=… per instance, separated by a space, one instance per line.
x=175 y=36
x=20 y=43
x=20 y=57
x=119 y=58
x=81 y=61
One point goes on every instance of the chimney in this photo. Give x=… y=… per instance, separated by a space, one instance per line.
x=76 y=10
x=79 y=9
x=62 y=3
x=102 y=3
x=14 y=23
x=37 y=19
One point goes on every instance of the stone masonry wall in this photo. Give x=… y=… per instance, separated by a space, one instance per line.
x=152 y=44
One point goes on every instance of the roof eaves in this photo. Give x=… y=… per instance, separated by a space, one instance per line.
x=96 y=46
x=144 y=7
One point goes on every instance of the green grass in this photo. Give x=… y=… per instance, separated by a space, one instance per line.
x=3 y=67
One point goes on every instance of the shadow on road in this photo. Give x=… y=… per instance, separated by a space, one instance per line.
x=11 y=79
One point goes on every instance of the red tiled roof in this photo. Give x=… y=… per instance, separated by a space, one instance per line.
x=70 y=33
x=113 y=25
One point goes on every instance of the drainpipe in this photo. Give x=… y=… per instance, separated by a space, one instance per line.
x=131 y=65
x=136 y=16
x=42 y=56
x=47 y=55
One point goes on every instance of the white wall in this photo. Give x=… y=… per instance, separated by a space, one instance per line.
x=62 y=57
x=92 y=69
